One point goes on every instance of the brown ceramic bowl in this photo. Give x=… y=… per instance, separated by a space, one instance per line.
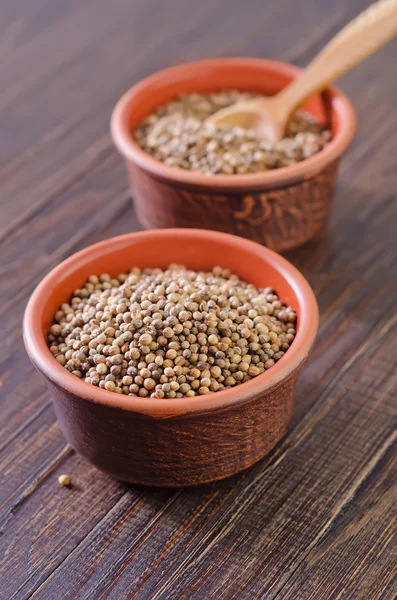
x=282 y=208
x=173 y=442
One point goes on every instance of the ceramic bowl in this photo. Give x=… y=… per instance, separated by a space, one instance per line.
x=281 y=208
x=185 y=441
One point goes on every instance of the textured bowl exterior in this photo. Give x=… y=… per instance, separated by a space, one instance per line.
x=181 y=441
x=281 y=208
x=179 y=451
x=281 y=219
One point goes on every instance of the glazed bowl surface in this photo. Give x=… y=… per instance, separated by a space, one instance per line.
x=280 y=208
x=181 y=441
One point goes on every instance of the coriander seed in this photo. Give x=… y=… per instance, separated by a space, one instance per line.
x=65 y=480
x=178 y=135
x=170 y=333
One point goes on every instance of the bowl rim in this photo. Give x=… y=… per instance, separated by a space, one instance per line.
x=39 y=353
x=305 y=169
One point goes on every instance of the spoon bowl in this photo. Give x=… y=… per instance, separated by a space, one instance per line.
x=264 y=116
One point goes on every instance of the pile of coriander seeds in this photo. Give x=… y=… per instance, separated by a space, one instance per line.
x=170 y=333
x=178 y=135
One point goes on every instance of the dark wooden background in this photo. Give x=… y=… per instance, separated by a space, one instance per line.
x=317 y=518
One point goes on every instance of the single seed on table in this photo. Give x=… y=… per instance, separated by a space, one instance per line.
x=65 y=480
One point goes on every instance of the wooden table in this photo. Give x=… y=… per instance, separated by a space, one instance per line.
x=316 y=518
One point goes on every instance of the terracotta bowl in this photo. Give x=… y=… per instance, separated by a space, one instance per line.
x=282 y=208
x=173 y=442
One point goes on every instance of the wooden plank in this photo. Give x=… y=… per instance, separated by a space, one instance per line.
x=76 y=218
x=356 y=558
x=317 y=381
x=34 y=246
x=338 y=336
x=319 y=367
x=369 y=310
x=64 y=225
x=70 y=132
x=256 y=532
x=57 y=520
x=244 y=538
x=71 y=136
x=41 y=443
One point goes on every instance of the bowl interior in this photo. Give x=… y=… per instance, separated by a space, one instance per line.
x=331 y=108
x=264 y=77
x=197 y=249
x=249 y=261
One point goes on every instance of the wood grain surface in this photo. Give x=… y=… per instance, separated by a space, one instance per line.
x=317 y=518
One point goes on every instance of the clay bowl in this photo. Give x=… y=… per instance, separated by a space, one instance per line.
x=282 y=208
x=174 y=442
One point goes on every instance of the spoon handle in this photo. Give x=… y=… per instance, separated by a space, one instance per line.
x=361 y=37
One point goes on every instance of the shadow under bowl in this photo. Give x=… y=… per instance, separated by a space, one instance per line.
x=181 y=441
x=281 y=208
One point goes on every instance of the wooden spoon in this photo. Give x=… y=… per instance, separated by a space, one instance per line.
x=360 y=38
